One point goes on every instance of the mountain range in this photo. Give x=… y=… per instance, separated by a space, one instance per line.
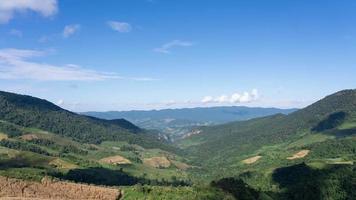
x=175 y=123
x=306 y=154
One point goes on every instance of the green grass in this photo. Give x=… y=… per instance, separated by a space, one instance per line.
x=177 y=193
x=310 y=139
x=347 y=125
x=38 y=165
x=27 y=173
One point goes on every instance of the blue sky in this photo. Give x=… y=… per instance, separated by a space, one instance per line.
x=147 y=54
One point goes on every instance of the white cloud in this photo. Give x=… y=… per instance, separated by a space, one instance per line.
x=222 y=99
x=16 y=64
x=70 y=30
x=166 y=48
x=60 y=102
x=8 y=8
x=15 y=32
x=122 y=27
x=245 y=97
x=207 y=99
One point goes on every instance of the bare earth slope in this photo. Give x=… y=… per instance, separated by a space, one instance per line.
x=58 y=190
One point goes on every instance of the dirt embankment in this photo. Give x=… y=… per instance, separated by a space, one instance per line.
x=115 y=160
x=252 y=160
x=3 y=136
x=300 y=154
x=157 y=162
x=54 y=190
x=29 y=137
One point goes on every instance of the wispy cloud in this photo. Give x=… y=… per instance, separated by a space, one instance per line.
x=70 y=30
x=15 y=32
x=245 y=97
x=8 y=8
x=122 y=27
x=17 y=64
x=166 y=48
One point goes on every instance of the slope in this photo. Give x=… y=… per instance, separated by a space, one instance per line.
x=33 y=112
x=333 y=116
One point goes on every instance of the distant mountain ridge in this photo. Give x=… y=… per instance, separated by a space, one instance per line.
x=174 y=124
x=216 y=115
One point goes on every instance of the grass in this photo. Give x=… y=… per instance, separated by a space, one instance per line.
x=309 y=139
x=27 y=173
x=347 y=125
x=168 y=193
x=29 y=165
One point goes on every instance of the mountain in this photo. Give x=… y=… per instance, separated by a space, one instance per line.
x=39 y=139
x=210 y=114
x=27 y=111
x=246 y=136
x=307 y=154
x=318 y=140
x=175 y=123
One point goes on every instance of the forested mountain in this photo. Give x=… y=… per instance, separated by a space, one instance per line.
x=39 y=139
x=33 y=112
x=239 y=138
x=308 y=154
x=175 y=123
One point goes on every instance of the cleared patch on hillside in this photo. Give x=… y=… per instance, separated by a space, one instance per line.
x=61 y=164
x=157 y=162
x=181 y=165
x=115 y=160
x=49 y=189
x=300 y=154
x=3 y=136
x=29 y=137
x=252 y=160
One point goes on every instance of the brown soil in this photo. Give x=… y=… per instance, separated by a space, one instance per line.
x=3 y=136
x=115 y=160
x=157 y=162
x=252 y=160
x=53 y=190
x=300 y=154
x=29 y=137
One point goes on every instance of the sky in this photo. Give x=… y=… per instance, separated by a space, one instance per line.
x=102 y=55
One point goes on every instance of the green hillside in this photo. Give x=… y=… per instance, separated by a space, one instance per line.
x=37 y=113
x=308 y=154
x=328 y=116
x=318 y=141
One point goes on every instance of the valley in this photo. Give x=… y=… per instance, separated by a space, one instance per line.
x=174 y=124
x=268 y=157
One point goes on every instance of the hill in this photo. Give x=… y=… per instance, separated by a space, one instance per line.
x=244 y=137
x=27 y=111
x=322 y=136
x=307 y=154
x=175 y=123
